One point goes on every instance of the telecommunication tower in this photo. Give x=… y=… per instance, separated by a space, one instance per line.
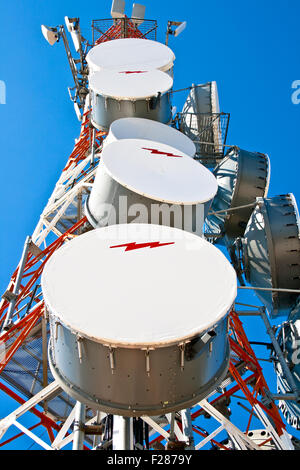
x=122 y=325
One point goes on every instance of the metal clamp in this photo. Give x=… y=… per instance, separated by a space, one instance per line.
x=182 y=353
x=112 y=359
x=57 y=324
x=80 y=347
x=207 y=338
x=147 y=356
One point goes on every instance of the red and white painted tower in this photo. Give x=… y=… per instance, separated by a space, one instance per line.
x=121 y=326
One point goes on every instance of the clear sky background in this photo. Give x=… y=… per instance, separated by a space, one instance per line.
x=250 y=48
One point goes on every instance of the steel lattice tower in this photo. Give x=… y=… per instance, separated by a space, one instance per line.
x=25 y=330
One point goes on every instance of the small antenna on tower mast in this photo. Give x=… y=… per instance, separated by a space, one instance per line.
x=117 y=9
x=138 y=13
x=181 y=25
x=50 y=34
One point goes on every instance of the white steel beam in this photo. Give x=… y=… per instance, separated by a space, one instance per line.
x=209 y=438
x=242 y=439
x=32 y=435
x=69 y=438
x=122 y=433
x=6 y=422
x=78 y=432
x=63 y=431
x=174 y=428
x=156 y=426
x=281 y=444
x=187 y=428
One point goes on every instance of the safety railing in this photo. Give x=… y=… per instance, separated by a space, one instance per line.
x=208 y=131
x=117 y=28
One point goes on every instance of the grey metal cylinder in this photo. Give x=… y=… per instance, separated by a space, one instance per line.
x=271 y=252
x=116 y=95
x=106 y=110
x=242 y=177
x=130 y=389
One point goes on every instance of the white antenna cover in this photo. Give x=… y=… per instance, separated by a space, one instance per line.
x=74 y=33
x=69 y=24
x=157 y=171
x=117 y=9
x=50 y=35
x=140 y=128
x=77 y=111
x=143 y=282
x=138 y=13
x=136 y=86
x=180 y=28
x=76 y=40
x=130 y=54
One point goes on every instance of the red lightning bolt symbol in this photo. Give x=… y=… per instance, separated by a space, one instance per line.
x=133 y=71
x=136 y=246
x=158 y=152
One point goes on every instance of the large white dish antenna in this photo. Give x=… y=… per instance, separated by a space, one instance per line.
x=139 y=128
x=127 y=86
x=158 y=171
x=130 y=54
x=132 y=333
x=128 y=279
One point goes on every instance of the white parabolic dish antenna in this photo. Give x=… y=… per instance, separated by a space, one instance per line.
x=138 y=284
x=158 y=171
x=50 y=34
x=139 y=128
x=133 y=86
x=130 y=54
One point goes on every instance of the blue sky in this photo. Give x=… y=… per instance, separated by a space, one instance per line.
x=250 y=48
